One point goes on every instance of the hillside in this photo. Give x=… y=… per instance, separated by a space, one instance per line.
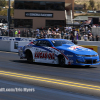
x=86 y=1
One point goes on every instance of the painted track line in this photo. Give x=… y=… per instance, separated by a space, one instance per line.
x=49 y=80
x=9 y=52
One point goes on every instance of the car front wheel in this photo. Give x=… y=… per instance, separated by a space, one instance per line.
x=29 y=57
x=61 y=60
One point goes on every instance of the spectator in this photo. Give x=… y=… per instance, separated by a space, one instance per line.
x=24 y=33
x=93 y=38
x=28 y=34
x=97 y=38
x=77 y=36
x=89 y=31
x=62 y=34
x=16 y=33
x=57 y=29
x=72 y=37
x=90 y=37
x=68 y=35
x=86 y=28
x=85 y=37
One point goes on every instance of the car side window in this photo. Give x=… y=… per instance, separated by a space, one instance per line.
x=48 y=44
x=37 y=43
x=43 y=43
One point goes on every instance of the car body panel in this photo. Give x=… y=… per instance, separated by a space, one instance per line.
x=47 y=51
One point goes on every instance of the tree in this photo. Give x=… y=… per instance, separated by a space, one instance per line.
x=98 y=6
x=12 y=4
x=3 y=3
x=89 y=7
x=95 y=8
x=92 y=3
x=85 y=6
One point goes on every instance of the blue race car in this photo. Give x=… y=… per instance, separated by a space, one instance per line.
x=58 y=51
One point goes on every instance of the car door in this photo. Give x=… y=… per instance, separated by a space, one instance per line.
x=43 y=53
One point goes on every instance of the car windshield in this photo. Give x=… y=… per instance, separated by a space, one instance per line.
x=60 y=42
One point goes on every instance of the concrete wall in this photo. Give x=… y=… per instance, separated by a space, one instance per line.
x=11 y=46
x=5 y=45
x=96 y=30
x=97 y=43
x=4 y=38
x=15 y=44
x=99 y=51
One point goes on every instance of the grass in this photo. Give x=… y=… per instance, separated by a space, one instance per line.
x=87 y=14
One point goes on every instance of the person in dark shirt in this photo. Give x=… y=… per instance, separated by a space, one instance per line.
x=97 y=38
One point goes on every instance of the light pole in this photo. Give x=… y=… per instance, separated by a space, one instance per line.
x=9 y=19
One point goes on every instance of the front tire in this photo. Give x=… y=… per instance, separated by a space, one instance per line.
x=29 y=57
x=61 y=61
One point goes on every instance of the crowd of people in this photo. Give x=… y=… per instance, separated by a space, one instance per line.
x=70 y=33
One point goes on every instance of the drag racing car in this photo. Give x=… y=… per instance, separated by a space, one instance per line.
x=58 y=51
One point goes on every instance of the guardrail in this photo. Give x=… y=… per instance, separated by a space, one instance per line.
x=4 y=38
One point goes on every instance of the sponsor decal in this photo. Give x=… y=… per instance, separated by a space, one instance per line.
x=62 y=51
x=95 y=48
x=24 y=39
x=5 y=38
x=17 y=39
x=74 y=47
x=28 y=46
x=44 y=55
x=69 y=55
x=0 y=38
x=91 y=48
x=71 y=61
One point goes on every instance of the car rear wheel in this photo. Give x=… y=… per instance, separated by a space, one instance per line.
x=61 y=60
x=29 y=57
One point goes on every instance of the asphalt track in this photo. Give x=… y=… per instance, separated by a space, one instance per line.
x=49 y=82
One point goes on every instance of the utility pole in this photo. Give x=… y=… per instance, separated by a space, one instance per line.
x=9 y=18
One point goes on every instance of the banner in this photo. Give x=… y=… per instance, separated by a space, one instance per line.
x=37 y=14
x=95 y=48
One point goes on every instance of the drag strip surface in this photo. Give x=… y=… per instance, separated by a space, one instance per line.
x=73 y=79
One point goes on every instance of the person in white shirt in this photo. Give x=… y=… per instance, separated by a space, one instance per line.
x=57 y=29
x=85 y=37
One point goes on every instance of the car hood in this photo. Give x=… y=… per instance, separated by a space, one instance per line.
x=76 y=49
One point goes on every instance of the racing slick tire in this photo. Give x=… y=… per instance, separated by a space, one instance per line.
x=61 y=60
x=29 y=57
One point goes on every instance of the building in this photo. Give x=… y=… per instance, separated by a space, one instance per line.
x=42 y=13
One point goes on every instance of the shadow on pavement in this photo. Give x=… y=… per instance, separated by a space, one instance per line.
x=53 y=65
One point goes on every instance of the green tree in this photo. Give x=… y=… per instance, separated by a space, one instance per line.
x=3 y=3
x=89 y=7
x=92 y=3
x=85 y=6
x=12 y=4
x=98 y=6
x=95 y=8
